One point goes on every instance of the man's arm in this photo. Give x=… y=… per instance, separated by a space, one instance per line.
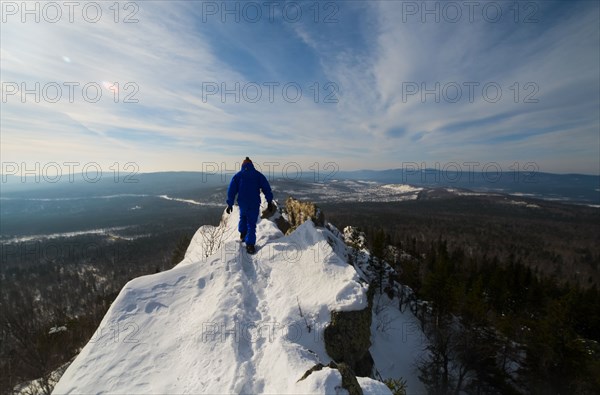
x=266 y=188
x=232 y=190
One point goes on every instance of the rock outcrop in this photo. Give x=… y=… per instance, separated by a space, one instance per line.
x=348 y=338
x=299 y=212
x=349 y=381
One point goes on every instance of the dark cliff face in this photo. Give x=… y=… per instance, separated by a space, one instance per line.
x=347 y=341
x=348 y=338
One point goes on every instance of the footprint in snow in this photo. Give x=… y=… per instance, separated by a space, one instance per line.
x=154 y=307
x=201 y=283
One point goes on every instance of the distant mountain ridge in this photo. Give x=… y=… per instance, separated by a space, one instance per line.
x=575 y=188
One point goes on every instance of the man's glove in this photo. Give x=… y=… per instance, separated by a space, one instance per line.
x=270 y=206
x=228 y=209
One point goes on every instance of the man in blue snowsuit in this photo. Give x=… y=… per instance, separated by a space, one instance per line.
x=247 y=184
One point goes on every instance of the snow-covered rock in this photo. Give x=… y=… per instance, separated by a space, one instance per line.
x=223 y=321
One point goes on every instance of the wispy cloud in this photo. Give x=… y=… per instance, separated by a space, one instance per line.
x=369 y=57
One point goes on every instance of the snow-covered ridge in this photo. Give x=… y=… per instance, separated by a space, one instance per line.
x=225 y=322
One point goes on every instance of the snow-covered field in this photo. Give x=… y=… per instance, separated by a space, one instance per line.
x=225 y=322
x=401 y=188
x=190 y=201
x=356 y=191
x=397 y=343
x=101 y=231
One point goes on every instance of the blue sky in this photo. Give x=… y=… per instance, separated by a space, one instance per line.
x=374 y=62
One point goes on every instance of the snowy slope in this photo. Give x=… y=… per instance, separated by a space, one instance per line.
x=226 y=322
x=398 y=343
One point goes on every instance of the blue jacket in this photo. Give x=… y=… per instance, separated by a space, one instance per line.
x=247 y=184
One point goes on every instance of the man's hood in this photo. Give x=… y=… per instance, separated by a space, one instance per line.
x=247 y=166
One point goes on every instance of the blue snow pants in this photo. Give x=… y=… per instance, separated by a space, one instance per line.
x=247 y=224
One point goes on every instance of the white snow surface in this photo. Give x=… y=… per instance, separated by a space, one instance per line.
x=223 y=321
x=189 y=201
x=397 y=343
x=402 y=188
